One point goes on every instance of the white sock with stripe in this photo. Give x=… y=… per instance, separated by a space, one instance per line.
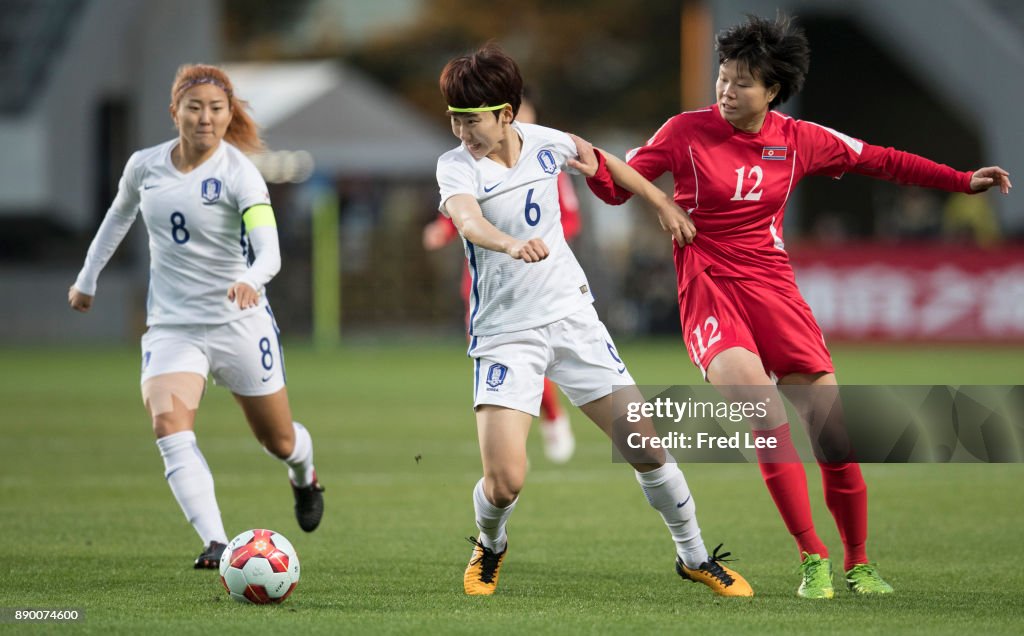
x=191 y=482
x=667 y=492
x=490 y=519
x=300 y=462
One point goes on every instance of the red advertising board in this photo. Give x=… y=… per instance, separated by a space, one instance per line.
x=914 y=292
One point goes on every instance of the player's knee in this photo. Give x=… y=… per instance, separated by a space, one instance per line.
x=276 y=437
x=280 y=446
x=833 y=447
x=167 y=424
x=502 y=490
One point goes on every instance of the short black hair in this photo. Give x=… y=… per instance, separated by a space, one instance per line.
x=774 y=51
x=486 y=77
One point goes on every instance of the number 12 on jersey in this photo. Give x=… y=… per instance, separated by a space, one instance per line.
x=709 y=329
x=754 y=193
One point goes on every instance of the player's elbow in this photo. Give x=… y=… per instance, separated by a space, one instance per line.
x=273 y=264
x=616 y=195
x=267 y=264
x=472 y=229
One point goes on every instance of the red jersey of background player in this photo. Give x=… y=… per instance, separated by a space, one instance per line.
x=735 y=185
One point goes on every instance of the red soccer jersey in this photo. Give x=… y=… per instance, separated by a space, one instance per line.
x=736 y=184
x=569 y=205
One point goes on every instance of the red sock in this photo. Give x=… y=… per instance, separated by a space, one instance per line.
x=550 y=409
x=847 y=498
x=787 y=483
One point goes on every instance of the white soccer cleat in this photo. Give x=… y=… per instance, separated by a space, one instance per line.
x=559 y=442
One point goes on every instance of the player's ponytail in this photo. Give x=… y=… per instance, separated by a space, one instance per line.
x=243 y=133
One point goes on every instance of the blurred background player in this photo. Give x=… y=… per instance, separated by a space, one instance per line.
x=555 y=428
x=744 y=320
x=532 y=312
x=206 y=310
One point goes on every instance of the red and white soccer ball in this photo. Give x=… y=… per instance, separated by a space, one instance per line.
x=259 y=566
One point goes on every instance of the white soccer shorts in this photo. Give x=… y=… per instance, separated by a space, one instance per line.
x=244 y=355
x=576 y=353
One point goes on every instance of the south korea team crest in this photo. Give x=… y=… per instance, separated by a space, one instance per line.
x=496 y=375
x=211 y=190
x=547 y=161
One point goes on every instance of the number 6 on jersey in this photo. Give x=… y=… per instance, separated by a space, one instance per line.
x=532 y=210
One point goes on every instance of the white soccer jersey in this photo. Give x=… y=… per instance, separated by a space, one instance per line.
x=197 y=242
x=521 y=201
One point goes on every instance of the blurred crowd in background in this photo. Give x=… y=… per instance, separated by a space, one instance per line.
x=610 y=71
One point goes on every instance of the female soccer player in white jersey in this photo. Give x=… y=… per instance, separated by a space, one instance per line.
x=532 y=314
x=743 y=318
x=213 y=247
x=555 y=428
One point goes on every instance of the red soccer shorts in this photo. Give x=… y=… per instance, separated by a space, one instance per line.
x=775 y=323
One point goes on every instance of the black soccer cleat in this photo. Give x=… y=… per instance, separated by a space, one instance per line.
x=210 y=558
x=309 y=504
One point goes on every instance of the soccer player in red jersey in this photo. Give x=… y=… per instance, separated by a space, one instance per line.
x=745 y=323
x=556 y=431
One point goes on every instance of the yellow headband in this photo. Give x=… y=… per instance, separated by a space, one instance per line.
x=478 y=109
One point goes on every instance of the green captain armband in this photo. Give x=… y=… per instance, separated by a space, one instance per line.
x=258 y=216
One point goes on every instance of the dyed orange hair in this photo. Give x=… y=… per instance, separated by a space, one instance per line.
x=243 y=133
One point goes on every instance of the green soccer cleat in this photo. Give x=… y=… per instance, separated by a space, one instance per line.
x=817 y=577
x=863 y=578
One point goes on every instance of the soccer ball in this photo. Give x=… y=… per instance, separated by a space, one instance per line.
x=259 y=566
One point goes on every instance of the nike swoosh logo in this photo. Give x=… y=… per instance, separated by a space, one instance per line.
x=622 y=370
x=267 y=378
x=680 y=505
x=486 y=189
x=149 y=187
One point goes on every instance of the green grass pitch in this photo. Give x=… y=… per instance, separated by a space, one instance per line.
x=88 y=522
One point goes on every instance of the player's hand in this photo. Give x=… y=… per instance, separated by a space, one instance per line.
x=677 y=222
x=79 y=301
x=586 y=163
x=985 y=178
x=529 y=251
x=435 y=236
x=243 y=295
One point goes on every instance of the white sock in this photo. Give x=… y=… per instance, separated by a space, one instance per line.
x=300 y=462
x=665 y=489
x=190 y=480
x=490 y=519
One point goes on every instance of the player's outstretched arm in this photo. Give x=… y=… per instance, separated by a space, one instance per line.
x=469 y=219
x=673 y=219
x=599 y=179
x=990 y=177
